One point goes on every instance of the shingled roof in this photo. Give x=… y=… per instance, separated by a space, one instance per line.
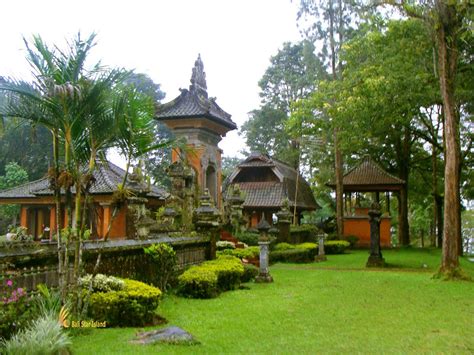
x=107 y=177
x=369 y=176
x=195 y=103
x=270 y=194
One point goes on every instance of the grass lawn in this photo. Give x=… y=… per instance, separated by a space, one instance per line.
x=332 y=307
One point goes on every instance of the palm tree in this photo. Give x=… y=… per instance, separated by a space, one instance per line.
x=87 y=112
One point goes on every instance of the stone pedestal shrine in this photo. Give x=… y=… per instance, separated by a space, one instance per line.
x=264 y=243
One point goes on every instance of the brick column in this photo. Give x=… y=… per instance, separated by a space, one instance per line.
x=105 y=219
x=24 y=216
x=52 y=221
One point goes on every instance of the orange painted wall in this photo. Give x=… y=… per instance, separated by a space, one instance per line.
x=360 y=227
x=118 y=229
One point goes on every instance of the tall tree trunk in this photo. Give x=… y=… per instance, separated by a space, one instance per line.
x=338 y=161
x=404 y=169
x=446 y=36
x=58 y=211
x=437 y=200
x=439 y=206
x=339 y=186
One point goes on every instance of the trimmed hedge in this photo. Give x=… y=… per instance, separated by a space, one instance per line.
x=229 y=271
x=250 y=272
x=295 y=255
x=246 y=253
x=305 y=252
x=311 y=248
x=211 y=277
x=284 y=246
x=248 y=238
x=198 y=282
x=134 y=305
x=336 y=246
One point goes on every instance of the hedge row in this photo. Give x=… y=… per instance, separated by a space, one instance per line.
x=211 y=277
x=245 y=253
x=292 y=256
x=336 y=246
x=305 y=252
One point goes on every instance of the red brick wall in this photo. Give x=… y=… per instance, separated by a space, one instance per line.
x=360 y=227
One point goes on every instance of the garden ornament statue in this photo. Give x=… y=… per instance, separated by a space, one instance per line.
x=375 y=258
x=321 y=253
x=264 y=241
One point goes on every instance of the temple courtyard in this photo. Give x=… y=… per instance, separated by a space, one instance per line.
x=334 y=307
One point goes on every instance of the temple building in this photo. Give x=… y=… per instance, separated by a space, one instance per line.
x=367 y=177
x=266 y=183
x=37 y=203
x=195 y=116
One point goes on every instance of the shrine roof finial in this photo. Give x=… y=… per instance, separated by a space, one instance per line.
x=198 y=78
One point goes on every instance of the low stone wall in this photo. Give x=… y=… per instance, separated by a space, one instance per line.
x=32 y=264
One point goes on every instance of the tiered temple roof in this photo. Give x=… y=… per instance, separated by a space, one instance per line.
x=195 y=102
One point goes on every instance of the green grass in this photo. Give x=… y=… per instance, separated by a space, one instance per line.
x=332 y=307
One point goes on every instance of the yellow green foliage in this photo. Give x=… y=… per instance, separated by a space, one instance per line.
x=211 y=277
x=245 y=253
x=134 y=305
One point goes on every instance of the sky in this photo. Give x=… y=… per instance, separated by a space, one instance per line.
x=162 y=39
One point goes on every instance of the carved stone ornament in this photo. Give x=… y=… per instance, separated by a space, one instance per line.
x=198 y=78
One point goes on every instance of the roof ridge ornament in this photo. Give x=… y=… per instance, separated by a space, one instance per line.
x=198 y=78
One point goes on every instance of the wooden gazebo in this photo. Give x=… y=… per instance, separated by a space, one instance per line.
x=367 y=177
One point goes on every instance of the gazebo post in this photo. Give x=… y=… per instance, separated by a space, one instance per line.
x=387 y=200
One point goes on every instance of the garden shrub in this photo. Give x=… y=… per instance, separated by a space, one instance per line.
x=336 y=246
x=211 y=277
x=134 y=305
x=43 y=336
x=198 y=282
x=287 y=246
x=246 y=253
x=248 y=238
x=229 y=270
x=283 y=246
x=296 y=255
x=15 y=308
x=165 y=261
x=250 y=272
x=223 y=245
x=307 y=246
x=352 y=239
x=311 y=247
x=303 y=233
x=102 y=283
x=330 y=247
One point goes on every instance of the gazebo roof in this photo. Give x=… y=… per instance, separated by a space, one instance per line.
x=195 y=103
x=107 y=177
x=270 y=194
x=368 y=176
